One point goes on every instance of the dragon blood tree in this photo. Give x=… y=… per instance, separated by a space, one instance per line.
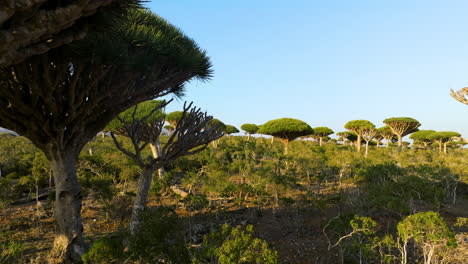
x=62 y=99
x=286 y=129
x=442 y=138
x=387 y=134
x=250 y=129
x=231 y=130
x=358 y=127
x=421 y=137
x=143 y=124
x=321 y=132
x=402 y=126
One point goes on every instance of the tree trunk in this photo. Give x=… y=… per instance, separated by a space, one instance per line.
x=358 y=143
x=445 y=147
x=320 y=141
x=286 y=144
x=156 y=150
x=141 y=198
x=400 y=143
x=440 y=146
x=68 y=244
x=248 y=136
x=272 y=139
x=367 y=149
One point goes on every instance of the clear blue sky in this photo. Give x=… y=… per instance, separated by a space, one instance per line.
x=328 y=62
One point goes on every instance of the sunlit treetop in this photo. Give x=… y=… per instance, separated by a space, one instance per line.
x=421 y=135
x=173 y=117
x=218 y=124
x=146 y=112
x=357 y=126
x=402 y=125
x=322 y=131
x=250 y=128
x=231 y=129
x=286 y=128
x=443 y=135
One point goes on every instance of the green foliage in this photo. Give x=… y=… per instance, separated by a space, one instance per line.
x=159 y=238
x=231 y=129
x=443 y=136
x=322 y=131
x=250 y=128
x=402 y=125
x=105 y=250
x=142 y=40
x=426 y=228
x=235 y=245
x=146 y=112
x=10 y=251
x=195 y=202
x=174 y=117
x=217 y=123
x=286 y=128
x=393 y=188
x=358 y=126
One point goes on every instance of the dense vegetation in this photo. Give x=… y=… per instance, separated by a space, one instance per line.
x=368 y=207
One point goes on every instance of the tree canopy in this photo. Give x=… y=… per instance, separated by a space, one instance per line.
x=359 y=127
x=33 y=27
x=422 y=136
x=231 y=129
x=250 y=128
x=174 y=117
x=322 y=131
x=286 y=128
x=402 y=126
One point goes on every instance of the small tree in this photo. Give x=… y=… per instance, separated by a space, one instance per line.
x=346 y=135
x=428 y=231
x=402 y=126
x=442 y=138
x=378 y=138
x=461 y=96
x=358 y=127
x=231 y=130
x=287 y=129
x=368 y=133
x=422 y=137
x=192 y=134
x=321 y=132
x=250 y=129
x=387 y=134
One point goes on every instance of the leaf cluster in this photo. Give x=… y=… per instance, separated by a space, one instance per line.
x=286 y=128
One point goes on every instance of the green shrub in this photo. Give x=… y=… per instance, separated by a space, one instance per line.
x=104 y=250
x=235 y=245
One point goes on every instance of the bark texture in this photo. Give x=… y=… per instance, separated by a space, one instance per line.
x=31 y=27
x=141 y=198
x=68 y=244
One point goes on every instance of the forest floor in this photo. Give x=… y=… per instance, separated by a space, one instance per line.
x=294 y=231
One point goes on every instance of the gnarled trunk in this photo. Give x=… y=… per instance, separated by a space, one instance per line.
x=68 y=244
x=141 y=198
